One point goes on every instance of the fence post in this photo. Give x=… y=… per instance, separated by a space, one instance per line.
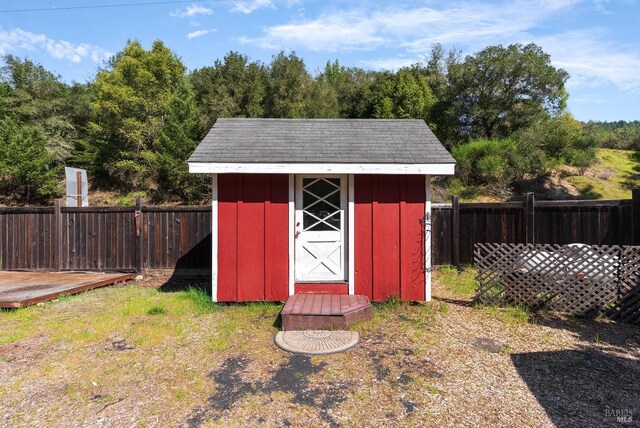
x=529 y=218
x=139 y=235
x=57 y=221
x=635 y=212
x=455 y=231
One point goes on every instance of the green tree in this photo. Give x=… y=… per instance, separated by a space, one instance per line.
x=28 y=172
x=37 y=99
x=500 y=90
x=561 y=139
x=233 y=87
x=132 y=99
x=289 y=87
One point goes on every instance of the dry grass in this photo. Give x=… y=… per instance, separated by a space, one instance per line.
x=135 y=356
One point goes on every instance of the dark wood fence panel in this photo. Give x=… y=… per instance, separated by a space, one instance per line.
x=177 y=238
x=26 y=238
x=441 y=235
x=98 y=238
x=603 y=223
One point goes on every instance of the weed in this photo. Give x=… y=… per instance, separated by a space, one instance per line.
x=156 y=310
x=200 y=299
x=579 y=361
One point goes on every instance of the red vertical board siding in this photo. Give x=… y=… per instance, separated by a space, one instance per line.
x=228 y=192
x=253 y=231
x=251 y=237
x=389 y=244
x=363 y=245
x=413 y=248
x=277 y=239
x=386 y=238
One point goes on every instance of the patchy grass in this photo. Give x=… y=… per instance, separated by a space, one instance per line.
x=132 y=355
x=461 y=282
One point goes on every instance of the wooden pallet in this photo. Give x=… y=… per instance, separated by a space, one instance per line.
x=324 y=311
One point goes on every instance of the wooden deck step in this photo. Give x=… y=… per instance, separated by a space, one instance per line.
x=324 y=311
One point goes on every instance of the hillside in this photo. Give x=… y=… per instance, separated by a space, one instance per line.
x=613 y=176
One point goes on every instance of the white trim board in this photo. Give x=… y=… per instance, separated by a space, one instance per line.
x=292 y=231
x=351 y=232
x=214 y=238
x=427 y=240
x=322 y=168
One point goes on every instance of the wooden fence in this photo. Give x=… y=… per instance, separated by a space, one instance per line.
x=147 y=237
x=577 y=279
x=456 y=227
x=105 y=238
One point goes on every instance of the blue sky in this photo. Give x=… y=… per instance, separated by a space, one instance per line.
x=596 y=41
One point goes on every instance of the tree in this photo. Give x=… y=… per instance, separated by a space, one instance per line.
x=128 y=116
x=28 y=173
x=36 y=99
x=561 y=138
x=233 y=87
x=500 y=90
x=289 y=87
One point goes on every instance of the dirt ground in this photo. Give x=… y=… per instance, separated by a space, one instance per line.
x=131 y=356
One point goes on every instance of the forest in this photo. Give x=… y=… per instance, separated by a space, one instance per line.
x=502 y=112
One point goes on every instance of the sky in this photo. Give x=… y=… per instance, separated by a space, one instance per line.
x=596 y=41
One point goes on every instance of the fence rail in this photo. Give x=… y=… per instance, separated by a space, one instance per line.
x=179 y=237
x=577 y=279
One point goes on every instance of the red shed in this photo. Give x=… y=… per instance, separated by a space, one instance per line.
x=335 y=206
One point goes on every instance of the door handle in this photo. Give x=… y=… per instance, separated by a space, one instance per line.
x=297 y=234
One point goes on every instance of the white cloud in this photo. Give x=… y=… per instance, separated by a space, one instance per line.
x=199 y=33
x=415 y=29
x=192 y=10
x=592 y=60
x=248 y=6
x=389 y=63
x=18 y=39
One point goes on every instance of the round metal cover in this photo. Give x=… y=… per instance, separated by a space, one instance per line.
x=317 y=342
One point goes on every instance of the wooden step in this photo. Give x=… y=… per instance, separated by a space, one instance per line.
x=324 y=311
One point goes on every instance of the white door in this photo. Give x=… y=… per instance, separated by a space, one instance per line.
x=320 y=228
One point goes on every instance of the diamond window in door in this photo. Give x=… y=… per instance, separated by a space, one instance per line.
x=321 y=204
x=320 y=252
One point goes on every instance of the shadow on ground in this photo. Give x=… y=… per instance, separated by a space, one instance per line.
x=583 y=388
x=291 y=377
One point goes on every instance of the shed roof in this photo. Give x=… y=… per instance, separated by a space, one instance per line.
x=340 y=142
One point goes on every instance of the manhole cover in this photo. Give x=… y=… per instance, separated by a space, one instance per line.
x=317 y=342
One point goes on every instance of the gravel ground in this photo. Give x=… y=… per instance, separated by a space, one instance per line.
x=75 y=363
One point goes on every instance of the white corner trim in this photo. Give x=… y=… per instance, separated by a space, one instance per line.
x=322 y=168
x=292 y=231
x=351 y=236
x=214 y=238
x=427 y=239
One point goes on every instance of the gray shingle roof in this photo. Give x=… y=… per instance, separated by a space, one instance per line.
x=345 y=141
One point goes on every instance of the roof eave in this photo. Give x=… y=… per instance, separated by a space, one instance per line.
x=322 y=168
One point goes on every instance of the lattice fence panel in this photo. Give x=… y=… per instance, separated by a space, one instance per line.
x=577 y=279
x=630 y=285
